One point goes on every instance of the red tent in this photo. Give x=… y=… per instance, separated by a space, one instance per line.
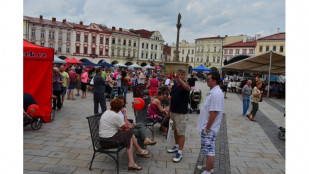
x=38 y=72
x=73 y=61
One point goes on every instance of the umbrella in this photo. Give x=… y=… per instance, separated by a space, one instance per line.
x=104 y=64
x=201 y=68
x=120 y=65
x=88 y=63
x=58 y=60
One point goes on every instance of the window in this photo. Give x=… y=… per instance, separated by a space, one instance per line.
x=33 y=32
x=155 y=56
x=192 y=51
x=188 y=51
x=77 y=49
x=85 y=50
x=129 y=42
x=202 y=49
x=51 y=45
x=218 y=59
x=42 y=33
x=201 y=59
x=42 y=44
x=118 y=52
x=101 y=40
x=142 y=45
x=107 y=41
x=207 y=59
x=156 y=47
x=182 y=59
x=281 y=48
x=213 y=59
x=59 y=49
x=124 y=42
x=250 y=51
x=113 y=52
x=124 y=53
x=150 y=56
x=68 y=49
x=142 y=55
x=197 y=59
x=113 y=40
x=146 y=55
x=267 y=48
x=274 y=48
x=86 y=38
x=198 y=49
x=152 y=46
x=215 y=49
x=68 y=37
x=119 y=41
x=261 y=48
x=92 y=50
x=101 y=52
x=134 y=43
x=146 y=46
x=77 y=37
x=230 y=51
x=191 y=59
x=225 y=51
x=106 y=52
x=244 y=51
x=183 y=51
x=129 y=53
x=133 y=53
x=237 y=51
x=60 y=36
x=208 y=49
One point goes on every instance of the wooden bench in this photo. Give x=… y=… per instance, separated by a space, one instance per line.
x=94 y=122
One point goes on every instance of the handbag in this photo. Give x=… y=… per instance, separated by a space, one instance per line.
x=91 y=82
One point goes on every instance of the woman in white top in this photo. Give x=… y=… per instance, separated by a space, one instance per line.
x=112 y=127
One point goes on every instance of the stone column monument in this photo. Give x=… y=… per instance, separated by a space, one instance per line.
x=172 y=67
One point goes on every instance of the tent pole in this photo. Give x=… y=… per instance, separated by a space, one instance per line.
x=271 y=54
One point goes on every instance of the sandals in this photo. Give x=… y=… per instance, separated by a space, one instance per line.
x=253 y=120
x=151 y=143
x=135 y=167
x=144 y=154
x=248 y=117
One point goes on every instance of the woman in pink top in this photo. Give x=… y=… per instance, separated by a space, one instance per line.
x=153 y=85
x=84 y=80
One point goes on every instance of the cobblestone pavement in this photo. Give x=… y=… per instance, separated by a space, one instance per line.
x=64 y=146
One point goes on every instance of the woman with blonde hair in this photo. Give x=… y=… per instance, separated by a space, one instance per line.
x=255 y=99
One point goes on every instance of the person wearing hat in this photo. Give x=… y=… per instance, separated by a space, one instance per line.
x=98 y=92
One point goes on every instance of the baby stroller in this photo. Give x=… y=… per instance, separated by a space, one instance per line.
x=195 y=100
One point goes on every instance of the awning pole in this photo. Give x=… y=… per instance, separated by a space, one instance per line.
x=271 y=54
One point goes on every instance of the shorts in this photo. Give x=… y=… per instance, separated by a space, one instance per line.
x=224 y=88
x=71 y=86
x=180 y=123
x=84 y=86
x=208 y=143
x=152 y=92
x=64 y=90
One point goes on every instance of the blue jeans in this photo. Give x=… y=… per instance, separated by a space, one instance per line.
x=246 y=104
x=124 y=90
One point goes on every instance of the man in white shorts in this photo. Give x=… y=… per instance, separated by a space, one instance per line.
x=210 y=119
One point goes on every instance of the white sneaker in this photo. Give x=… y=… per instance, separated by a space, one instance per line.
x=173 y=150
x=177 y=158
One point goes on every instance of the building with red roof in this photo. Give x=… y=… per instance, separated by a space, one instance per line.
x=274 y=42
x=166 y=53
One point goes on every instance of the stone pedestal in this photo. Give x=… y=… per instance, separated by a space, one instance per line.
x=172 y=67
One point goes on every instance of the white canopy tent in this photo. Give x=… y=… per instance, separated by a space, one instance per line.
x=58 y=60
x=267 y=63
x=120 y=65
x=134 y=65
x=148 y=67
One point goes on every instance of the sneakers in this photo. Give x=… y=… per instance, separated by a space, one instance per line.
x=173 y=150
x=211 y=171
x=177 y=158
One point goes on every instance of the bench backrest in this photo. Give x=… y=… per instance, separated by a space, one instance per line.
x=94 y=122
x=141 y=115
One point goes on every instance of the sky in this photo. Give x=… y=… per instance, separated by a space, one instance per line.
x=200 y=18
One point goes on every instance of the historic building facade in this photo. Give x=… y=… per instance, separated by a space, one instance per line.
x=275 y=42
x=209 y=51
x=124 y=46
x=186 y=51
x=150 y=48
x=49 y=33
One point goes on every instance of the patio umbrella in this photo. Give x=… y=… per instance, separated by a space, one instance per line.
x=73 y=61
x=105 y=64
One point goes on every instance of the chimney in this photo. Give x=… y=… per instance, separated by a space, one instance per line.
x=81 y=23
x=278 y=30
x=54 y=19
x=257 y=36
x=64 y=20
x=41 y=17
x=244 y=38
x=113 y=28
x=120 y=29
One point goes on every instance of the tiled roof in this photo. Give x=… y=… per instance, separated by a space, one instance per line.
x=84 y=27
x=216 y=37
x=242 y=44
x=277 y=36
x=144 y=33
x=46 y=22
x=167 y=49
x=123 y=32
